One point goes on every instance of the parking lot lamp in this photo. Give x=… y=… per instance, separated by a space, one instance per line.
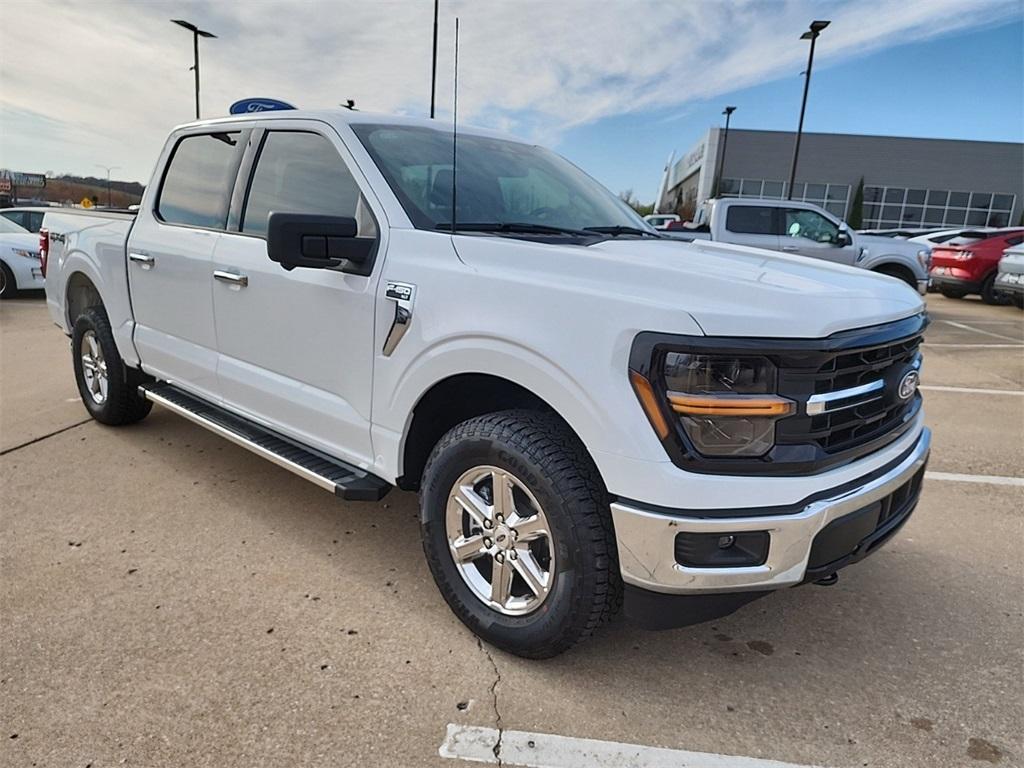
x=812 y=35
x=196 y=34
x=725 y=143
x=108 y=169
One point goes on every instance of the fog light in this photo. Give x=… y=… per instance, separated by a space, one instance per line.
x=724 y=542
x=717 y=550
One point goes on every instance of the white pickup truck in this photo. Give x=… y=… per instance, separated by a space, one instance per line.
x=805 y=229
x=591 y=413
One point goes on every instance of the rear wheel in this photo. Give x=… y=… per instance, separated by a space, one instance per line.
x=990 y=294
x=109 y=390
x=952 y=293
x=8 y=285
x=517 y=532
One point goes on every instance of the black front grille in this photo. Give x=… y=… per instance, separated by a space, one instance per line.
x=842 y=430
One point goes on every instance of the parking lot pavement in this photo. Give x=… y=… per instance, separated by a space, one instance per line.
x=170 y=599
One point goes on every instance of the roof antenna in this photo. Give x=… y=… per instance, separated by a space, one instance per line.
x=455 y=116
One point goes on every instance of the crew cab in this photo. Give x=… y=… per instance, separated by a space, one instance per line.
x=590 y=412
x=804 y=228
x=969 y=263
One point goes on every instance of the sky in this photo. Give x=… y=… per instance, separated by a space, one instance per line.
x=613 y=85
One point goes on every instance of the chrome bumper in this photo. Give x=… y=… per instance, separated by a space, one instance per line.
x=646 y=539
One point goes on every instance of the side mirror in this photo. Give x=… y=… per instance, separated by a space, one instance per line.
x=844 y=238
x=314 y=241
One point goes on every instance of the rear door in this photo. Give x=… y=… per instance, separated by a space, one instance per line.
x=811 y=233
x=296 y=347
x=170 y=260
x=751 y=224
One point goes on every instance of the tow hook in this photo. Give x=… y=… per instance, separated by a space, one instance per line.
x=828 y=581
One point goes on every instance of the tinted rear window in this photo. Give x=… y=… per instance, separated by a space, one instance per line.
x=197 y=186
x=750 y=220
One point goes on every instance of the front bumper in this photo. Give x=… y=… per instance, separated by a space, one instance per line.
x=647 y=538
x=1010 y=282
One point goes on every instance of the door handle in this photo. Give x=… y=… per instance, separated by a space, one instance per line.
x=790 y=248
x=231 y=277
x=142 y=259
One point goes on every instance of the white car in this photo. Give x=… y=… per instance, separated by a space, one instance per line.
x=661 y=220
x=1010 y=278
x=19 y=260
x=932 y=239
x=592 y=413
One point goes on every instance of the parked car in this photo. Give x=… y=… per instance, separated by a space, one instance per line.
x=945 y=235
x=1010 y=279
x=807 y=230
x=30 y=219
x=19 y=259
x=661 y=220
x=969 y=263
x=899 y=234
x=590 y=412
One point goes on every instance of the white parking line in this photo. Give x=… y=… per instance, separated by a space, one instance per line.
x=543 y=750
x=965 y=327
x=986 y=479
x=971 y=390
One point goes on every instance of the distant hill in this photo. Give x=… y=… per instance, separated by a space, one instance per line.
x=67 y=188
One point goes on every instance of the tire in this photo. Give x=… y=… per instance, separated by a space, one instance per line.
x=899 y=274
x=108 y=389
x=553 y=471
x=990 y=294
x=8 y=285
x=1018 y=301
x=952 y=293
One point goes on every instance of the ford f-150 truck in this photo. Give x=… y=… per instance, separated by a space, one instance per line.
x=804 y=228
x=591 y=413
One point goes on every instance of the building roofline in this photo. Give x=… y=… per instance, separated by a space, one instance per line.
x=876 y=136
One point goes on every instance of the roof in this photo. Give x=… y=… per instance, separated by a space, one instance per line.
x=342 y=116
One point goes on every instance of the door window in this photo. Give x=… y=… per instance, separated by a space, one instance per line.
x=810 y=225
x=301 y=172
x=750 y=220
x=197 y=185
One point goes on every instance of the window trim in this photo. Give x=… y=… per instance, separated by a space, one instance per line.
x=243 y=136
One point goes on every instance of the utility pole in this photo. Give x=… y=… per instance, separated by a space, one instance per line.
x=433 y=71
x=108 y=169
x=725 y=143
x=812 y=35
x=196 y=34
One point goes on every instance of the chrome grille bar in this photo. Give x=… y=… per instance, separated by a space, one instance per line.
x=830 y=402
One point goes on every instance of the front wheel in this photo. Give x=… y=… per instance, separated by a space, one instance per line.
x=517 y=532
x=109 y=389
x=8 y=285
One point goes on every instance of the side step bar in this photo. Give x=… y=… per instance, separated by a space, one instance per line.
x=342 y=479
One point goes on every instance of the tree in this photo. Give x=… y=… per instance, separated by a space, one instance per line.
x=856 y=218
x=630 y=199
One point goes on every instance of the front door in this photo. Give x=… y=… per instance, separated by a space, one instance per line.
x=170 y=261
x=296 y=347
x=809 y=233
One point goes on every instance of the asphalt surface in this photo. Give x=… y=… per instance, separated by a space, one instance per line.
x=169 y=599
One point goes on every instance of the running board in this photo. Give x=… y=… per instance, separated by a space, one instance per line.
x=342 y=479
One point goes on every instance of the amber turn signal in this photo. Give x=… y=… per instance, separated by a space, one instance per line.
x=694 y=405
x=649 y=402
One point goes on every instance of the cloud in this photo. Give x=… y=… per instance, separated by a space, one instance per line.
x=108 y=79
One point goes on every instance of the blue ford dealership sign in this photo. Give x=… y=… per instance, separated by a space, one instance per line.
x=246 y=106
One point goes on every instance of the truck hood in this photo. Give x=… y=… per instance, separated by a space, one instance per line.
x=879 y=244
x=728 y=290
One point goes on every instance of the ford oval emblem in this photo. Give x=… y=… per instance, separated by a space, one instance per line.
x=908 y=385
x=246 y=106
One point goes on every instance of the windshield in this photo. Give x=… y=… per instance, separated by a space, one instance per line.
x=499 y=182
x=8 y=227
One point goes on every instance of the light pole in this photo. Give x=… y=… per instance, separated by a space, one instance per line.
x=196 y=34
x=725 y=143
x=108 y=169
x=433 y=70
x=812 y=35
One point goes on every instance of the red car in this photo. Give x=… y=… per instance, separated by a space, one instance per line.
x=969 y=263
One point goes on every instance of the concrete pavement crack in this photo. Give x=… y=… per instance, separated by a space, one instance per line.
x=39 y=439
x=494 y=700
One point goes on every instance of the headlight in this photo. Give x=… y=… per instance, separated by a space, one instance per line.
x=34 y=255
x=725 y=405
x=924 y=258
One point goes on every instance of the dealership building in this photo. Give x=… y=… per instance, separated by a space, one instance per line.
x=908 y=182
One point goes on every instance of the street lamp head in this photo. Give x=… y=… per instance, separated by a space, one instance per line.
x=815 y=30
x=728 y=111
x=192 y=28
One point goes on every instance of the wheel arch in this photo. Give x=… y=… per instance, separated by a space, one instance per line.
x=80 y=293
x=896 y=269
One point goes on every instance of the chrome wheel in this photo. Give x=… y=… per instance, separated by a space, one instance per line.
x=94 y=368
x=500 y=540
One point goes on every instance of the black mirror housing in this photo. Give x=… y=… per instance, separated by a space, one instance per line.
x=314 y=241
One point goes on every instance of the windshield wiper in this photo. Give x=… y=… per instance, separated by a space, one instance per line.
x=617 y=230
x=518 y=226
